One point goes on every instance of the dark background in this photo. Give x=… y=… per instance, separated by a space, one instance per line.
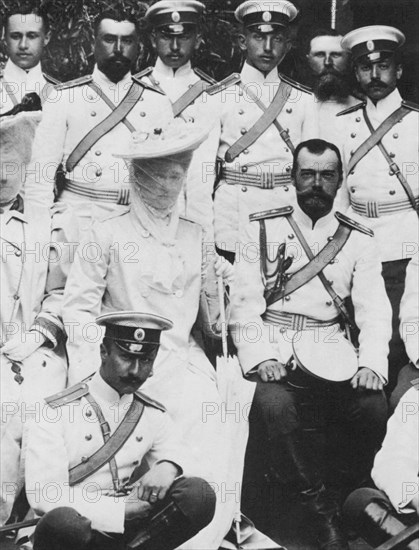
x=69 y=53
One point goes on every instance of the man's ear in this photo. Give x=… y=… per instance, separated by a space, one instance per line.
x=198 y=41
x=242 y=42
x=47 y=38
x=399 y=71
x=153 y=40
x=103 y=352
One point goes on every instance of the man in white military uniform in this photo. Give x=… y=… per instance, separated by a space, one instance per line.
x=379 y=514
x=91 y=115
x=35 y=260
x=106 y=427
x=176 y=36
x=264 y=116
x=26 y=34
x=282 y=309
x=381 y=159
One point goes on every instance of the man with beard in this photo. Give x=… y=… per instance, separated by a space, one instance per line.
x=87 y=118
x=329 y=64
x=287 y=305
x=381 y=161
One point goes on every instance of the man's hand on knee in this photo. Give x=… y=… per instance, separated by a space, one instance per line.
x=366 y=379
x=272 y=371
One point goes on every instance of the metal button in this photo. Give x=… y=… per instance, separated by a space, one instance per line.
x=98 y=153
x=244 y=168
x=244 y=189
x=329 y=239
x=190 y=86
x=243 y=131
x=88 y=437
x=329 y=303
x=332 y=261
x=145 y=233
x=358 y=119
x=282 y=330
x=392 y=155
x=88 y=413
x=142 y=113
x=331 y=283
x=287 y=298
x=136 y=462
x=157 y=82
x=352 y=189
x=18 y=253
x=288 y=169
x=286 y=188
x=289 y=110
x=90 y=97
x=291 y=236
x=241 y=111
x=84 y=459
x=353 y=135
x=179 y=293
x=395 y=136
x=139 y=438
x=240 y=92
x=392 y=192
x=246 y=151
x=98 y=172
x=352 y=172
x=286 y=150
x=352 y=152
x=93 y=113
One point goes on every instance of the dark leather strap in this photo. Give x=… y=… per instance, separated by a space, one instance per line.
x=402 y=112
x=113 y=443
x=314 y=266
x=262 y=124
x=112 y=120
x=189 y=97
x=109 y=103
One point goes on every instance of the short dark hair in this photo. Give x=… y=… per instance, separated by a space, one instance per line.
x=316 y=147
x=26 y=8
x=117 y=14
x=318 y=31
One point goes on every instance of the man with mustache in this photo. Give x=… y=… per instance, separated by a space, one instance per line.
x=287 y=307
x=87 y=117
x=27 y=33
x=381 y=163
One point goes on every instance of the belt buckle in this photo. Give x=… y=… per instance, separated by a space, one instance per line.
x=267 y=180
x=123 y=196
x=394 y=169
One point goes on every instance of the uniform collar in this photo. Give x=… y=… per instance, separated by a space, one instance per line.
x=104 y=82
x=385 y=106
x=250 y=74
x=305 y=221
x=103 y=391
x=167 y=72
x=13 y=73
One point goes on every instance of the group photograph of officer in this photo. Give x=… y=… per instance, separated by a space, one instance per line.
x=209 y=275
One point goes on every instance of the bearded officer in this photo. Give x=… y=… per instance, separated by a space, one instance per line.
x=264 y=115
x=27 y=34
x=283 y=309
x=381 y=158
x=105 y=428
x=90 y=115
x=176 y=36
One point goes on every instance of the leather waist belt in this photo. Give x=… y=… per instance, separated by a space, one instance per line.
x=116 y=196
x=373 y=209
x=295 y=321
x=265 y=180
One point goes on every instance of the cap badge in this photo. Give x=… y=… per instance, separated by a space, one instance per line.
x=267 y=16
x=139 y=334
x=175 y=17
x=370 y=45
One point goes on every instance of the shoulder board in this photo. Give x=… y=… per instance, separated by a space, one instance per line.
x=295 y=84
x=146 y=85
x=148 y=401
x=353 y=224
x=274 y=213
x=143 y=73
x=352 y=109
x=231 y=80
x=410 y=105
x=415 y=383
x=76 y=82
x=204 y=76
x=51 y=79
x=73 y=393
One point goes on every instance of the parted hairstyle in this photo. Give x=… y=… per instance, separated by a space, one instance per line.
x=26 y=8
x=316 y=147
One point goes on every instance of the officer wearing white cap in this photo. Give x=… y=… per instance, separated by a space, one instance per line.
x=105 y=428
x=381 y=159
x=175 y=35
x=264 y=115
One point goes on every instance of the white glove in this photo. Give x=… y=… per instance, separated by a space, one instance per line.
x=223 y=268
x=22 y=346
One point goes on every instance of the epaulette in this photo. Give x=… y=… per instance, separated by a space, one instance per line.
x=143 y=73
x=234 y=78
x=144 y=84
x=410 y=105
x=51 y=79
x=295 y=84
x=73 y=393
x=204 y=76
x=148 y=401
x=352 y=109
x=415 y=383
x=274 y=213
x=76 y=82
x=353 y=224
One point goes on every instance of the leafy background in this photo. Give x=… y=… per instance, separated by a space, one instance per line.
x=70 y=51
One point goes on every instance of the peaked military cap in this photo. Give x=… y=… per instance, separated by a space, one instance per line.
x=134 y=332
x=266 y=16
x=375 y=42
x=175 y=16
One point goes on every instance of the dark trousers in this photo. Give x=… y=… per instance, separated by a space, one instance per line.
x=394 y=274
x=188 y=508
x=355 y=424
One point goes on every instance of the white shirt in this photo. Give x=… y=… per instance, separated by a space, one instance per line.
x=19 y=83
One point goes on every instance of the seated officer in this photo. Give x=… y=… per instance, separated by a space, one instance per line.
x=89 y=448
x=379 y=514
x=287 y=307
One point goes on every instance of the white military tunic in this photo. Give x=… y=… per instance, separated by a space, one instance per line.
x=269 y=153
x=356 y=272
x=195 y=201
x=63 y=437
x=397 y=232
x=409 y=311
x=68 y=116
